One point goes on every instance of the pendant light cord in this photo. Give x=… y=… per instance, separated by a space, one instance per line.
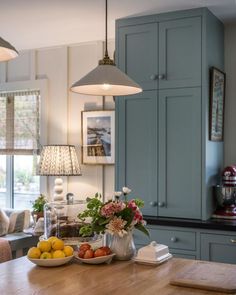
x=106 y=59
x=106 y=51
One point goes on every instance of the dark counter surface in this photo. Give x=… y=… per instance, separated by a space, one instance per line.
x=216 y=224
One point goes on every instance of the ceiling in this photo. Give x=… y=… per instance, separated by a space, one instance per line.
x=31 y=24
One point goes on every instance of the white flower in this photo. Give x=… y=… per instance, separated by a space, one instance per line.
x=117 y=194
x=126 y=190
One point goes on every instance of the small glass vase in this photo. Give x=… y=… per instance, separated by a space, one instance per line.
x=123 y=247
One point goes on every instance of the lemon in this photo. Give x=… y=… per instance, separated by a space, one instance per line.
x=46 y=255
x=57 y=244
x=34 y=252
x=68 y=250
x=58 y=254
x=51 y=239
x=44 y=246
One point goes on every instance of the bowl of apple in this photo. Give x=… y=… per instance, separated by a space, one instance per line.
x=86 y=254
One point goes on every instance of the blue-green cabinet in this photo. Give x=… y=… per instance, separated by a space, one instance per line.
x=143 y=65
x=136 y=131
x=162 y=148
x=218 y=248
x=180 y=53
x=162 y=55
x=180 y=152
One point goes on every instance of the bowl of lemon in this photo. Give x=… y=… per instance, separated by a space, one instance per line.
x=50 y=252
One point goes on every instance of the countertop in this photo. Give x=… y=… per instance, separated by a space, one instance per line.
x=216 y=224
x=20 y=276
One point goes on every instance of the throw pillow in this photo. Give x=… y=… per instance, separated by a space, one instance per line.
x=19 y=220
x=4 y=223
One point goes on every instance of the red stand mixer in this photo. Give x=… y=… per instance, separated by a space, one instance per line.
x=226 y=195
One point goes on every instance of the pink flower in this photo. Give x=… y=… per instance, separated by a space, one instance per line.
x=132 y=205
x=109 y=209
x=138 y=217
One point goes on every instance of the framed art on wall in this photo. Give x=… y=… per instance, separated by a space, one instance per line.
x=217 y=99
x=98 y=137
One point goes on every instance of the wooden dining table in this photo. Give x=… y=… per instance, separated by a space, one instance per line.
x=21 y=276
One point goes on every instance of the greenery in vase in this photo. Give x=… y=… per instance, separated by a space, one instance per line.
x=39 y=203
x=117 y=216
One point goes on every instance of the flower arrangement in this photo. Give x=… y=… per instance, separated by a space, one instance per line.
x=116 y=217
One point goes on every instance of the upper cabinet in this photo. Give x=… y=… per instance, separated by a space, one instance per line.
x=163 y=152
x=162 y=55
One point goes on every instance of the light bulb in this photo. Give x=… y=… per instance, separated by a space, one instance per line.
x=106 y=86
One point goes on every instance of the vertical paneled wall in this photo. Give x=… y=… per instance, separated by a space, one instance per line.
x=62 y=66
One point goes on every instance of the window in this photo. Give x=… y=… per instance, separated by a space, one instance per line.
x=19 y=148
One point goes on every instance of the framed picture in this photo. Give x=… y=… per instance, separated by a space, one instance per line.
x=217 y=99
x=98 y=137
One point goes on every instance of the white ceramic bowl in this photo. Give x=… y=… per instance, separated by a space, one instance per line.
x=97 y=260
x=51 y=262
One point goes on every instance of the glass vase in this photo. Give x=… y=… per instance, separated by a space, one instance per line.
x=123 y=247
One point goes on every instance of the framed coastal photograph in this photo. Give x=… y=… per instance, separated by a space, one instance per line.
x=217 y=101
x=98 y=137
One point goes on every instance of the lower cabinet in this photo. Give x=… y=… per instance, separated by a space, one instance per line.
x=192 y=243
x=219 y=248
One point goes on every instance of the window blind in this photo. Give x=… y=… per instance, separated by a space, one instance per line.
x=19 y=122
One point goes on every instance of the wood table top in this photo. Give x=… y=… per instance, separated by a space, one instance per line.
x=20 y=276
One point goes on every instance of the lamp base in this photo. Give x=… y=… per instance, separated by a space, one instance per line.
x=58 y=190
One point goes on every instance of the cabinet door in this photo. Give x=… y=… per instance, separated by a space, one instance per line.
x=138 y=53
x=136 y=147
x=180 y=53
x=180 y=153
x=218 y=248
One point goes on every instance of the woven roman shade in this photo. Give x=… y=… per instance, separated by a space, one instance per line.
x=19 y=122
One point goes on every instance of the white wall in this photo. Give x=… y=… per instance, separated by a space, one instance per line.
x=62 y=66
x=230 y=100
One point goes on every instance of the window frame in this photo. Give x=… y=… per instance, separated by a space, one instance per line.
x=42 y=86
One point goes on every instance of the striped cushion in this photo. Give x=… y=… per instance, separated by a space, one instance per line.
x=19 y=220
x=4 y=223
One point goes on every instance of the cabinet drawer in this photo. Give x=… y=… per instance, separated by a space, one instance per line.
x=174 y=239
x=185 y=256
x=218 y=248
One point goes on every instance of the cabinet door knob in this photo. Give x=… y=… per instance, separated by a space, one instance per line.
x=161 y=204
x=153 y=204
x=174 y=239
x=153 y=77
x=161 y=77
x=233 y=241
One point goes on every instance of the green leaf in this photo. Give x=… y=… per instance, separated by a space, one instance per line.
x=86 y=230
x=139 y=203
x=126 y=214
x=142 y=228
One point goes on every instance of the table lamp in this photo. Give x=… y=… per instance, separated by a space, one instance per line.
x=58 y=160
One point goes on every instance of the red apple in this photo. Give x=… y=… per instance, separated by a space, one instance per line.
x=106 y=249
x=81 y=253
x=88 y=254
x=85 y=247
x=100 y=252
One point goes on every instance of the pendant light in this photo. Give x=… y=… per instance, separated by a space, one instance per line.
x=7 y=51
x=106 y=78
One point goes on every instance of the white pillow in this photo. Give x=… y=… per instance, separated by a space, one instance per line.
x=19 y=220
x=4 y=223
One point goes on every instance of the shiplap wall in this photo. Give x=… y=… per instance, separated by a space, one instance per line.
x=62 y=66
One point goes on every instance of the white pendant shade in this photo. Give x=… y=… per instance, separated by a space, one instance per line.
x=7 y=51
x=106 y=80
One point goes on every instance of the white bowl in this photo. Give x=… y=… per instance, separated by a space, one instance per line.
x=51 y=262
x=96 y=260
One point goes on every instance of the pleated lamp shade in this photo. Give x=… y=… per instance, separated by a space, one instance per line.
x=7 y=51
x=59 y=160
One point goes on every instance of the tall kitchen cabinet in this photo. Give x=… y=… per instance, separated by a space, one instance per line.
x=163 y=152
